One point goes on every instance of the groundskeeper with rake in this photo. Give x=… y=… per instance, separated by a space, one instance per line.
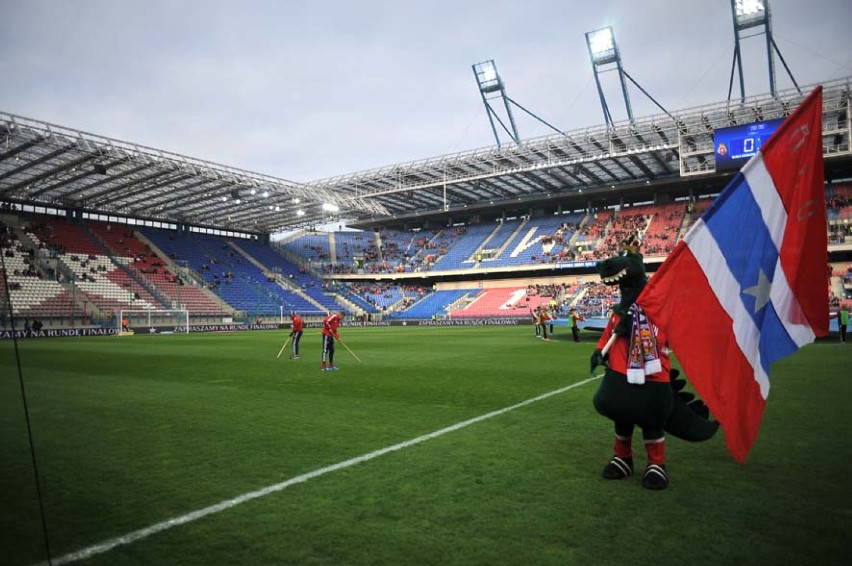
x=330 y=324
x=296 y=329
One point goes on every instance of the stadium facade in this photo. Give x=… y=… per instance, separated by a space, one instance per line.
x=115 y=226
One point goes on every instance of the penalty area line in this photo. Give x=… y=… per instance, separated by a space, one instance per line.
x=140 y=534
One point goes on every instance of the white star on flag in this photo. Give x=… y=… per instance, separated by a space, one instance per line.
x=760 y=292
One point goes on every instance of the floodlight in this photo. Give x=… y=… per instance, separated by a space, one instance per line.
x=300 y=212
x=265 y=194
x=487 y=76
x=750 y=13
x=489 y=71
x=601 y=41
x=328 y=207
x=601 y=44
x=277 y=208
x=748 y=7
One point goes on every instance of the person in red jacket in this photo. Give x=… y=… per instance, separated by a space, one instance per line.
x=543 y=318
x=330 y=325
x=296 y=329
x=575 y=330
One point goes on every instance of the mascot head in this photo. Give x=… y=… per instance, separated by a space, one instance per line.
x=627 y=271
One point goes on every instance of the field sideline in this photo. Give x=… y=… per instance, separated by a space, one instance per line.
x=133 y=431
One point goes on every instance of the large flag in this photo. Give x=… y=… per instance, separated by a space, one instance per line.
x=748 y=284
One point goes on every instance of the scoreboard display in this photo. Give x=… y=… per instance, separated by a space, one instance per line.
x=735 y=145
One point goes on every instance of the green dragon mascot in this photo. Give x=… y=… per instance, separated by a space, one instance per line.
x=639 y=388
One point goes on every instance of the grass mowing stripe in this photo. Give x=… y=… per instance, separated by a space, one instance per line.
x=134 y=536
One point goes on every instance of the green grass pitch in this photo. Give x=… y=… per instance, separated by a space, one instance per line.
x=133 y=431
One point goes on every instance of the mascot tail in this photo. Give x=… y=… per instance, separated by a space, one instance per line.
x=690 y=418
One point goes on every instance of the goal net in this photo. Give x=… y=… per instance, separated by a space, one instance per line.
x=153 y=321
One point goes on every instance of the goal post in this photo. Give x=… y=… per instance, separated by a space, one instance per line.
x=173 y=320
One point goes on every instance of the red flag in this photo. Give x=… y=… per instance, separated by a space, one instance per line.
x=747 y=284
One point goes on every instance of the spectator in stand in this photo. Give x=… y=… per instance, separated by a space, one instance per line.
x=330 y=325
x=296 y=329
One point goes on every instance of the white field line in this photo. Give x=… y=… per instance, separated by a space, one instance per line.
x=140 y=534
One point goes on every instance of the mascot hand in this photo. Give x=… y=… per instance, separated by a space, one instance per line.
x=598 y=359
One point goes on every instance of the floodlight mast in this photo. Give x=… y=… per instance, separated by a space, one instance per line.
x=603 y=51
x=754 y=14
x=491 y=87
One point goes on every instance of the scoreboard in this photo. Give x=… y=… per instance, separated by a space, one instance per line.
x=736 y=145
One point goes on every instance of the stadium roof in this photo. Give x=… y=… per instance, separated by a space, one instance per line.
x=42 y=163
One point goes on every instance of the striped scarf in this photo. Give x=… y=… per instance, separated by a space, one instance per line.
x=643 y=358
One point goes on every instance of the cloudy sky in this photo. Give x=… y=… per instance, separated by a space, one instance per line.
x=306 y=90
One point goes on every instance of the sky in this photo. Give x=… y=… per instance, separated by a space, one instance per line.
x=314 y=89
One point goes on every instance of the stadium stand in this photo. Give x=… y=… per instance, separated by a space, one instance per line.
x=626 y=223
x=590 y=235
x=439 y=245
x=300 y=281
x=146 y=264
x=114 y=269
x=458 y=255
x=436 y=304
x=312 y=247
x=541 y=240
x=500 y=302
x=31 y=295
x=104 y=280
x=663 y=230
x=353 y=248
x=595 y=299
x=839 y=214
x=402 y=251
x=502 y=235
x=238 y=281
x=352 y=293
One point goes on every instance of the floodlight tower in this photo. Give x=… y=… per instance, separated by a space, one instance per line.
x=491 y=87
x=750 y=14
x=605 y=56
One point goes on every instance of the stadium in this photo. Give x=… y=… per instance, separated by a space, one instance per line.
x=145 y=294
